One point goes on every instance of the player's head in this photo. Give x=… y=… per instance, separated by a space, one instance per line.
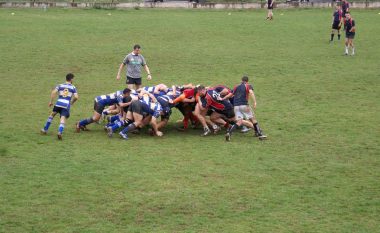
x=69 y=77
x=201 y=90
x=348 y=16
x=126 y=92
x=136 y=49
x=244 y=78
x=337 y=7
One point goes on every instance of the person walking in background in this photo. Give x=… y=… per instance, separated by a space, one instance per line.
x=349 y=26
x=134 y=61
x=270 y=9
x=67 y=95
x=345 y=7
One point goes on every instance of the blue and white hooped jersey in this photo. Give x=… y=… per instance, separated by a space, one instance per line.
x=110 y=99
x=149 y=89
x=151 y=108
x=65 y=93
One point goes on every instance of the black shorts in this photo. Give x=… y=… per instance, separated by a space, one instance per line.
x=62 y=111
x=336 y=25
x=98 y=107
x=135 y=107
x=350 y=35
x=131 y=80
x=270 y=7
x=228 y=113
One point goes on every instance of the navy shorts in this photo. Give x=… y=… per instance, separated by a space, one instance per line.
x=350 y=35
x=62 y=111
x=135 y=107
x=228 y=113
x=98 y=107
x=336 y=25
x=136 y=81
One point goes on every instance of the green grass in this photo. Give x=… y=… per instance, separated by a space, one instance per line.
x=318 y=172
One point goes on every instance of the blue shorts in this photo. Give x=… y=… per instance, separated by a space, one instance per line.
x=62 y=111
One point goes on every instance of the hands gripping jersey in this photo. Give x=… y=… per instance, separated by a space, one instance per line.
x=149 y=107
x=164 y=100
x=65 y=93
x=110 y=99
x=214 y=101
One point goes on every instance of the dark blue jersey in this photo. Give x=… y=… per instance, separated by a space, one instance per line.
x=337 y=16
x=213 y=100
x=349 y=24
x=241 y=93
x=345 y=6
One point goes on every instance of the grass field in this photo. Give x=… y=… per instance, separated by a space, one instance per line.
x=317 y=172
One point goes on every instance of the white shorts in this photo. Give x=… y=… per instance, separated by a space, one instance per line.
x=243 y=112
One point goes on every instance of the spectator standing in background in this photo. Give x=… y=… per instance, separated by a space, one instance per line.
x=270 y=9
x=345 y=7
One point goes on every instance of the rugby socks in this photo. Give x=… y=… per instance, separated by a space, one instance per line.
x=186 y=121
x=48 y=122
x=346 y=49
x=338 y=36
x=353 y=50
x=61 y=128
x=117 y=124
x=130 y=127
x=114 y=118
x=86 y=121
x=257 y=128
x=332 y=37
x=232 y=128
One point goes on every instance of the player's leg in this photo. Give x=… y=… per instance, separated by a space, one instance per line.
x=134 y=115
x=346 y=46
x=130 y=83
x=351 y=41
x=200 y=114
x=332 y=33
x=137 y=82
x=258 y=131
x=98 y=110
x=48 y=122
x=61 y=127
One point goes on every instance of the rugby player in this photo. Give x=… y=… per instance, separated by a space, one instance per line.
x=67 y=95
x=270 y=9
x=345 y=7
x=242 y=93
x=223 y=110
x=140 y=112
x=100 y=103
x=336 y=23
x=118 y=120
x=349 y=26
